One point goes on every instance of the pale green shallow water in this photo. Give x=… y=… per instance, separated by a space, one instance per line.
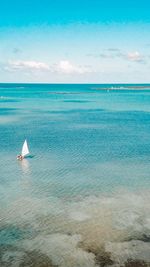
x=84 y=195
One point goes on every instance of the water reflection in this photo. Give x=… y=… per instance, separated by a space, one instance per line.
x=25 y=165
x=26 y=173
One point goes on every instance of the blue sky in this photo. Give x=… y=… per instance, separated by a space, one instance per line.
x=75 y=41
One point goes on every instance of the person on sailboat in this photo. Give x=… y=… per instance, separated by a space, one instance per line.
x=20 y=157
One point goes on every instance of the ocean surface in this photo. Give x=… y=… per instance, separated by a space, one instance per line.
x=82 y=199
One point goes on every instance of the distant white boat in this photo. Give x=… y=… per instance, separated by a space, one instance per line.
x=24 y=152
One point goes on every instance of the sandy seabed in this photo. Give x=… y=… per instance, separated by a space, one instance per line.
x=92 y=231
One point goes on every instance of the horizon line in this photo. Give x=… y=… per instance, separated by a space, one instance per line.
x=71 y=83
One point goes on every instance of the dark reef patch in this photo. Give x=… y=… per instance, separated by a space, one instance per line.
x=142 y=237
x=102 y=257
x=11 y=256
x=36 y=259
x=136 y=263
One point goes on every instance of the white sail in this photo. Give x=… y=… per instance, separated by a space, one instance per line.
x=25 y=149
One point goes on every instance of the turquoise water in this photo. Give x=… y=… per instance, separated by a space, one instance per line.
x=88 y=180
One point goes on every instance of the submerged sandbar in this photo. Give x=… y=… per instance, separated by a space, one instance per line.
x=127 y=87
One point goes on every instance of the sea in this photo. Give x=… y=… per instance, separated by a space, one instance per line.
x=82 y=197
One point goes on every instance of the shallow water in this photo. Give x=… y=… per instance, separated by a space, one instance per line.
x=83 y=198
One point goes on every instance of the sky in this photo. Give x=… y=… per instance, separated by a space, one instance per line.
x=75 y=41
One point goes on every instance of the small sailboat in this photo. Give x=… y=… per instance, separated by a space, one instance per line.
x=24 y=152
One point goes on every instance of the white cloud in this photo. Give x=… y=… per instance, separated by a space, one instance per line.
x=26 y=65
x=114 y=54
x=134 y=56
x=64 y=66
x=112 y=49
